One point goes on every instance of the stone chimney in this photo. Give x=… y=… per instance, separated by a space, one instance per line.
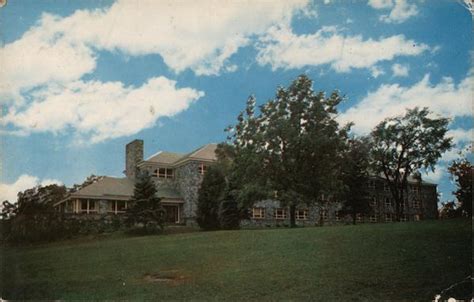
x=133 y=155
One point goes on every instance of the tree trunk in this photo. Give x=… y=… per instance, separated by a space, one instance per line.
x=292 y=216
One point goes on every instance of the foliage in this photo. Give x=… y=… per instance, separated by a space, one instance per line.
x=145 y=211
x=461 y=171
x=229 y=215
x=210 y=195
x=33 y=218
x=448 y=210
x=405 y=144
x=355 y=176
x=291 y=148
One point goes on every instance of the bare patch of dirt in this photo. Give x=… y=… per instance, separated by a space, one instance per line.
x=171 y=277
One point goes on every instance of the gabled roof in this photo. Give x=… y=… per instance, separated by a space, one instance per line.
x=107 y=186
x=117 y=188
x=164 y=157
x=204 y=153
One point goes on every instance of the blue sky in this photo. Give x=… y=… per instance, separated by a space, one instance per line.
x=80 y=79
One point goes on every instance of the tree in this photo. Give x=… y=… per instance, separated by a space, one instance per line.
x=229 y=218
x=210 y=195
x=405 y=144
x=291 y=149
x=146 y=209
x=448 y=210
x=355 y=175
x=461 y=171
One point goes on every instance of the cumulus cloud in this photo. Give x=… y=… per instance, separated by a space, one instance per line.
x=436 y=175
x=99 y=110
x=9 y=191
x=199 y=35
x=281 y=48
x=445 y=98
x=400 y=10
x=376 y=71
x=400 y=70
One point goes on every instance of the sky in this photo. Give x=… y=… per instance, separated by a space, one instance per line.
x=80 y=79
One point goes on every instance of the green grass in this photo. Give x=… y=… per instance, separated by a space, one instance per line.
x=399 y=261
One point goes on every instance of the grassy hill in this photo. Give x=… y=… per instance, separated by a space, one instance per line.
x=399 y=261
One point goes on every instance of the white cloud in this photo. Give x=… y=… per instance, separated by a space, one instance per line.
x=376 y=71
x=9 y=191
x=400 y=10
x=400 y=70
x=100 y=111
x=445 y=98
x=281 y=48
x=435 y=177
x=200 y=35
x=380 y=4
x=461 y=136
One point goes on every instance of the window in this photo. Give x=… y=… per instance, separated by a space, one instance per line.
x=388 y=217
x=404 y=218
x=117 y=206
x=84 y=206
x=163 y=173
x=373 y=218
x=92 y=206
x=258 y=213
x=386 y=187
x=202 y=168
x=88 y=206
x=415 y=189
x=373 y=201
x=359 y=217
x=280 y=213
x=324 y=215
x=388 y=202
x=416 y=204
x=301 y=214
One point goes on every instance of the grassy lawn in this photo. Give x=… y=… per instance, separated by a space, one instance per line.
x=400 y=261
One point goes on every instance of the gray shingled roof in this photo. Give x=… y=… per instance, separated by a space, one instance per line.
x=206 y=153
x=109 y=187
x=164 y=157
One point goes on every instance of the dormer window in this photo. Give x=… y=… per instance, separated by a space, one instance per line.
x=202 y=168
x=163 y=173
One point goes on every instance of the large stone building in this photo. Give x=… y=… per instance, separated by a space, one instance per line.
x=179 y=176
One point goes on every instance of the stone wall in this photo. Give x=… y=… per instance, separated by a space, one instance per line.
x=188 y=181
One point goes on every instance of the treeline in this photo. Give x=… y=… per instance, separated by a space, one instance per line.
x=293 y=149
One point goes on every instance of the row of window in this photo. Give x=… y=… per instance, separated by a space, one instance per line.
x=92 y=206
x=169 y=173
x=416 y=204
x=371 y=184
x=302 y=214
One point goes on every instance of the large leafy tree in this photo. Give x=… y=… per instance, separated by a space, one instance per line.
x=210 y=195
x=146 y=209
x=355 y=175
x=461 y=171
x=405 y=144
x=291 y=149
